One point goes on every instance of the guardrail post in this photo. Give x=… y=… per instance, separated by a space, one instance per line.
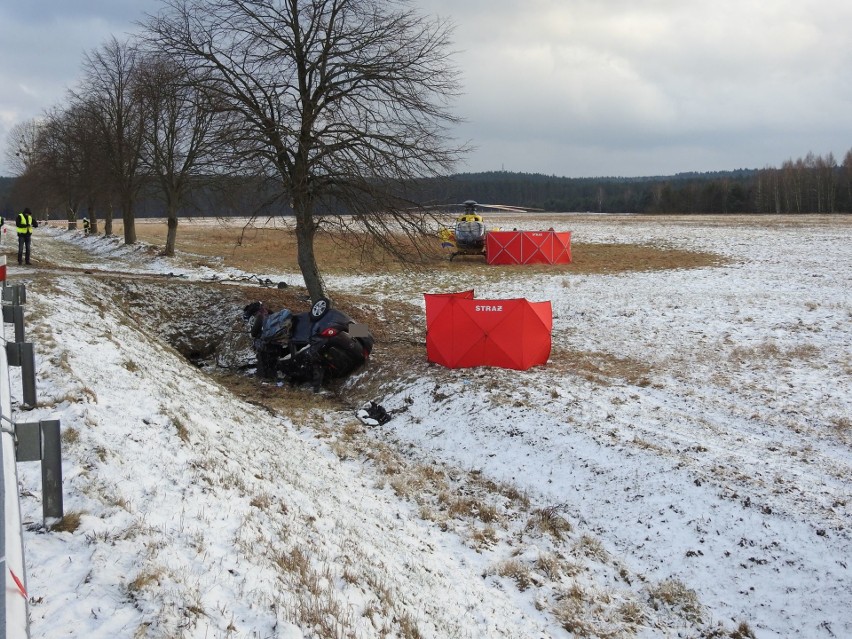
x=28 y=374
x=15 y=294
x=51 y=470
x=15 y=315
x=40 y=441
x=23 y=355
x=13 y=353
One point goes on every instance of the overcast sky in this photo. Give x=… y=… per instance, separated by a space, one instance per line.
x=579 y=88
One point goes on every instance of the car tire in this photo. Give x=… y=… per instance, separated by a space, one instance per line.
x=320 y=308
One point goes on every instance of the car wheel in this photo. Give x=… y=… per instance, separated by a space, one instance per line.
x=320 y=308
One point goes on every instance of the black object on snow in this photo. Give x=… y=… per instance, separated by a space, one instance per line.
x=373 y=414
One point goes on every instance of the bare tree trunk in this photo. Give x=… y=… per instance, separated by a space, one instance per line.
x=305 y=233
x=71 y=214
x=93 y=219
x=129 y=222
x=108 y=220
x=171 y=235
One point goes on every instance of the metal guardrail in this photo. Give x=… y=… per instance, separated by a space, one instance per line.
x=14 y=613
x=19 y=442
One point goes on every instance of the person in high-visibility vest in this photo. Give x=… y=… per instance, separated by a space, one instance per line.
x=25 y=224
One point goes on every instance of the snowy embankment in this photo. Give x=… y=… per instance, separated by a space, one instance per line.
x=196 y=508
x=710 y=445
x=730 y=466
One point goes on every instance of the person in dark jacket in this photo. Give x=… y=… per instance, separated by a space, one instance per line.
x=267 y=354
x=25 y=223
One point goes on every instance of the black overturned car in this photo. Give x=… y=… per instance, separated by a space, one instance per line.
x=315 y=346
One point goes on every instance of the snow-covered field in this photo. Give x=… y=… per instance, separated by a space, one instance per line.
x=704 y=465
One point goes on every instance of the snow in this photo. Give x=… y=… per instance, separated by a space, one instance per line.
x=723 y=464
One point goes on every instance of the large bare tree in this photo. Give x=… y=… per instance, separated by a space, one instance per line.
x=178 y=142
x=59 y=161
x=341 y=101
x=107 y=90
x=21 y=145
x=23 y=154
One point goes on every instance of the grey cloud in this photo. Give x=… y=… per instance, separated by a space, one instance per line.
x=574 y=87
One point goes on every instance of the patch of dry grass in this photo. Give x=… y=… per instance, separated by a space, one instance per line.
x=274 y=248
x=771 y=352
x=601 y=368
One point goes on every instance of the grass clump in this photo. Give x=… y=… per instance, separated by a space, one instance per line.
x=675 y=596
x=548 y=520
x=144 y=579
x=516 y=570
x=69 y=523
x=592 y=547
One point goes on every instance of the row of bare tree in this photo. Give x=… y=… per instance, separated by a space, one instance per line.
x=134 y=118
x=813 y=184
x=336 y=105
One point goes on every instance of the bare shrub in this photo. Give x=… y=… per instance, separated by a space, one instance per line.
x=409 y=486
x=433 y=475
x=324 y=614
x=381 y=589
x=295 y=562
x=518 y=497
x=342 y=450
x=61 y=363
x=487 y=513
x=352 y=429
x=349 y=575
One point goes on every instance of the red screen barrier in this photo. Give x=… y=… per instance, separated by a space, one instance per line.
x=462 y=332
x=528 y=247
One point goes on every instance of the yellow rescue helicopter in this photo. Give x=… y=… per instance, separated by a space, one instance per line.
x=467 y=235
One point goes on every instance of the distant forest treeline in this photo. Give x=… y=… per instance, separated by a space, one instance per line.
x=812 y=184
x=808 y=185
